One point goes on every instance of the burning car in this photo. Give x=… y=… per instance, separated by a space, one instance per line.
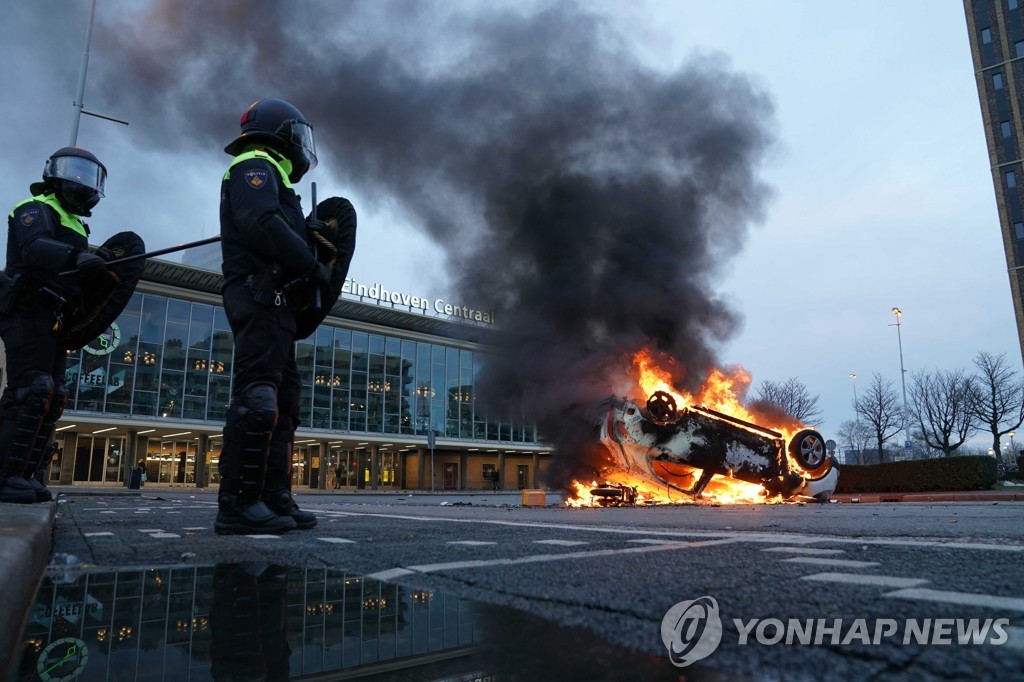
x=662 y=447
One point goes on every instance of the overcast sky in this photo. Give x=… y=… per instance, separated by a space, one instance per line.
x=881 y=190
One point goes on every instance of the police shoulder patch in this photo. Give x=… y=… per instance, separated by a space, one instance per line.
x=256 y=178
x=29 y=216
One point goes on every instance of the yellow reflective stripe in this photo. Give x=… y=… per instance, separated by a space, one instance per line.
x=68 y=220
x=257 y=154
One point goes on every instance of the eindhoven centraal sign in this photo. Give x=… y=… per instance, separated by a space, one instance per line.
x=377 y=292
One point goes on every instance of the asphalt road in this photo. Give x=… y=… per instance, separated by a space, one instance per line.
x=566 y=592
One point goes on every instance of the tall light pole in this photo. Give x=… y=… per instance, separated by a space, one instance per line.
x=80 y=90
x=903 y=373
x=856 y=419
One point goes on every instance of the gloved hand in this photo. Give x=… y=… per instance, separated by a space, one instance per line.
x=316 y=225
x=319 y=275
x=90 y=265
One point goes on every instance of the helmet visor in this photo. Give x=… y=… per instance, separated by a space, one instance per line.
x=78 y=170
x=300 y=135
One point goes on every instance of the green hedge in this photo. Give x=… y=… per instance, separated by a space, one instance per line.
x=917 y=476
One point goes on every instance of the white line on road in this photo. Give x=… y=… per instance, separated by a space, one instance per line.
x=562 y=543
x=960 y=598
x=540 y=558
x=151 y=530
x=858 y=579
x=741 y=536
x=337 y=541
x=164 y=535
x=804 y=550
x=93 y=535
x=264 y=537
x=470 y=543
x=108 y=512
x=834 y=563
x=652 y=541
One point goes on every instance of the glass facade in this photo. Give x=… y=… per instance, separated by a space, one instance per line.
x=171 y=359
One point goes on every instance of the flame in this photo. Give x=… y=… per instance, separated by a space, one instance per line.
x=722 y=391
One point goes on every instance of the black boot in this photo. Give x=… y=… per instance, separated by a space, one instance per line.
x=237 y=516
x=277 y=492
x=281 y=502
x=243 y=465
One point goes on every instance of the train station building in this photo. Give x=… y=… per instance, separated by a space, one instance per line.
x=384 y=370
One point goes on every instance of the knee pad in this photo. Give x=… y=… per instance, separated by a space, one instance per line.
x=260 y=404
x=34 y=400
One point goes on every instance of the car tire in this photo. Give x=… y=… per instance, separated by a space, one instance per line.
x=807 y=449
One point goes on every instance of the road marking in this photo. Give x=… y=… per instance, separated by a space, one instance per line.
x=337 y=541
x=151 y=530
x=470 y=543
x=652 y=541
x=805 y=550
x=164 y=535
x=264 y=537
x=540 y=558
x=835 y=563
x=930 y=543
x=563 y=543
x=859 y=579
x=93 y=535
x=142 y=512
x=196 y=528
x=108 y=512
x=960 y=598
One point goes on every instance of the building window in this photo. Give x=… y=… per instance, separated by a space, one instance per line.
x=1011 y=4
x=1018 y=230
x=1011 y=179
x=986 y=36
x=1005 y=127
x=997 y=81
x=1019 y=47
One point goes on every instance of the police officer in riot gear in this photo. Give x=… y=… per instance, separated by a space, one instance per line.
x=46 y=236
x=271 y=274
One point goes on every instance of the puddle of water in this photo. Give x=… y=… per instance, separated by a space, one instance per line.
x=266 y=622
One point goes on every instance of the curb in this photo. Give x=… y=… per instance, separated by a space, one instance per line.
x=26 y=539
x=875 y=498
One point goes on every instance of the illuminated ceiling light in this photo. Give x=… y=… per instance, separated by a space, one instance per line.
x=104 y=430
x=172 y=435
x=69 y=426
x=146 y=431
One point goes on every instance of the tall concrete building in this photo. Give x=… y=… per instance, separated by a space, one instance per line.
x=996 y=30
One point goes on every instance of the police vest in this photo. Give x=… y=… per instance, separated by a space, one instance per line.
x=68 y=220
x=258 y=154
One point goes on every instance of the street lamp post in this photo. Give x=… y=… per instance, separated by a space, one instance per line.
x=903 y=373
x=856 y=420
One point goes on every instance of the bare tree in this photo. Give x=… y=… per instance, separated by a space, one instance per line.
x=998 y=398
x=881 y=410
x=856 y=436
x=941 y=404
x=792 y=397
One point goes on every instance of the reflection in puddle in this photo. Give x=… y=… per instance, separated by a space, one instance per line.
x=264 y=622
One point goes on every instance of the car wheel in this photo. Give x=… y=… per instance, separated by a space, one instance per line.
x=807 y=449
x=662 y=407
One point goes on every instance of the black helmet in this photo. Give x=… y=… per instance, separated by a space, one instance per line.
x=283 y=128
x=77 y=178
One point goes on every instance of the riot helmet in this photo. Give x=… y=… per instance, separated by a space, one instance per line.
x=280 y=126
x=77 y=178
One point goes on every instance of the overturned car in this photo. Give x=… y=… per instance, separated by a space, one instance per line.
x=662 y=446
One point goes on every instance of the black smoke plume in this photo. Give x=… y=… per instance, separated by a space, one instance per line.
x=585 y=197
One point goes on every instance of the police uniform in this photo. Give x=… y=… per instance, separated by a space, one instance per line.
x=268 y=266
x=44 y=238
